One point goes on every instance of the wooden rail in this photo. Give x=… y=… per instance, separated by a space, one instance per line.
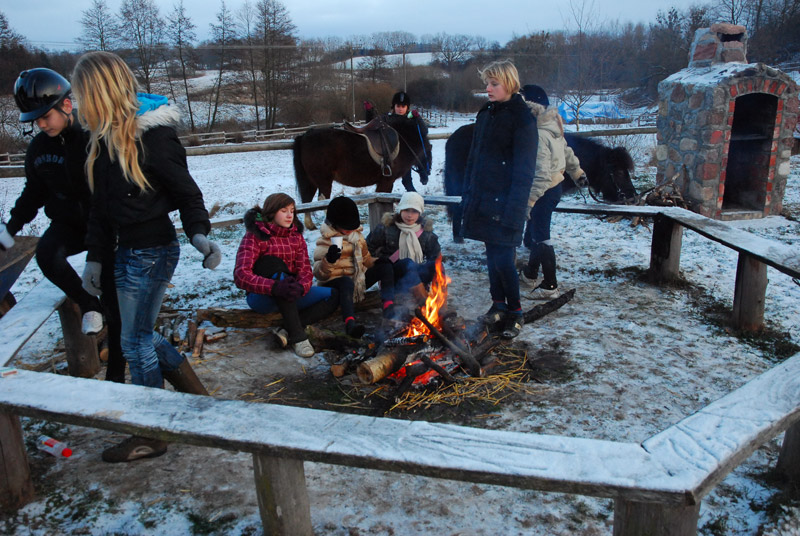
x=657 y=485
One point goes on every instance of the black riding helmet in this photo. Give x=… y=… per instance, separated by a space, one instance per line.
x=401 y=97
x=37 y=91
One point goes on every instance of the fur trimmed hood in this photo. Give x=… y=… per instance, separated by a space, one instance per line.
x=547 y=118
x=389 y=218
x=254 y=224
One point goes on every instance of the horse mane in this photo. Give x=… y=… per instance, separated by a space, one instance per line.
x=622 y=158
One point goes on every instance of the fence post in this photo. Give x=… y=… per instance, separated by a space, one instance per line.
x=376 y=211
x=749 y=293
x=665 y=250
x=653 y=519
x=282 y=496
x=16 y=487
x=789 y=459
x=82 y=358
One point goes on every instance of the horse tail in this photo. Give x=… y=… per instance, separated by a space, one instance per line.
x=305 y=188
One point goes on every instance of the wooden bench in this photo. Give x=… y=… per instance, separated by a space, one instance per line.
x=657 y=486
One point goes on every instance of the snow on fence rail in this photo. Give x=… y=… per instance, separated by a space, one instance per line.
x=657 y=485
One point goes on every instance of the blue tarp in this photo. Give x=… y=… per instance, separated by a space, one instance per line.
x=591 y=110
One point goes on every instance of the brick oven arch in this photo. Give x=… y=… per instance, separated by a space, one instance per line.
x=749 y=154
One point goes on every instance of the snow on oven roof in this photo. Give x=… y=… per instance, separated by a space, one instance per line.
x=715 y=74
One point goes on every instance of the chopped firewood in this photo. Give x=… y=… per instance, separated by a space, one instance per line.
x=471 y=365
x=388 y=361
x=214 y=337
x=546 y=308
x=191 y=333
x=197 y=351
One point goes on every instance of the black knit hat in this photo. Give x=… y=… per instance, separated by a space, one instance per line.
x=343 y=214
x=401 y=97
x=534 y=93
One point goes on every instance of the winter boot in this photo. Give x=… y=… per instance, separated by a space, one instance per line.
x=134 y=448
x=512 y=324
x=184 y=380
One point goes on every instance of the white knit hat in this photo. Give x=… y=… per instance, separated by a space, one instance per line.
x=411 y=200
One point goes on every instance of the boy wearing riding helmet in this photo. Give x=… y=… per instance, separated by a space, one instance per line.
x=553 y=158
x=401 y=108
x=55 y=180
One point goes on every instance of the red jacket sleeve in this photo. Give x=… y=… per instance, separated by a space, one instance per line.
x=304 y=276
x=246 y=257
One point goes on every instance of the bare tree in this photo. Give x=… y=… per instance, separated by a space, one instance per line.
x=99 y=27
x=451 y=50
x=583 y=15
x=732 y=11
x=142 y=30
x=278 y=44
x=402 y=43
x=181 y=35
x=223 y=33
x=248 y=20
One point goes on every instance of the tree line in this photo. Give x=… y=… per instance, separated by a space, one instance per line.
x=255 y=58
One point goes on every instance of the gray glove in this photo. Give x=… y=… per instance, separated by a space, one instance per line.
x=6 y=240
x=212 y=255
x=91 y=278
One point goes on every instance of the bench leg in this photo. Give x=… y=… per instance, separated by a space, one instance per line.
x=376 y=211
x=635 y=519
x=748 y=297
x=665 y=251
x=789 y=460
x=82 y=358
x=282 y=496
x=16 y=487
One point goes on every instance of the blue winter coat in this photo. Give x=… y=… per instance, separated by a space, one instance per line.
x=499 y=173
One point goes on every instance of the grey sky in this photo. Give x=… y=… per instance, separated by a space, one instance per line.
x=53 y=24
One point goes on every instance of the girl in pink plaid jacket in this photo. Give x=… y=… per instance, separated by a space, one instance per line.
x=272 y=265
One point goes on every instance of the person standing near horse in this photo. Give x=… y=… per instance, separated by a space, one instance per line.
x=499 y=174
x=55 y=180
x=407 y=240
x=401 y=110
x=342 y=261
x=272 y=265
x=138 y=174
x=553 y=158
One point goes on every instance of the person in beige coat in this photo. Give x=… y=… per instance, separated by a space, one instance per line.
x=342 y=261
x=553 y=159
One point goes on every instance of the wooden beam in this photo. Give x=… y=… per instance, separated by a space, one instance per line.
x=16 y=487
x=83 y=360
x=282 y=496
x=789 y=460
x=665 y=250
x=749 y=293
x=23 y=320
x=637 y=519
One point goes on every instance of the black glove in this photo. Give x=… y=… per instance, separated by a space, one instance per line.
x=383 y=260
x=287 y=289
x=582 y=181
x=333 y=254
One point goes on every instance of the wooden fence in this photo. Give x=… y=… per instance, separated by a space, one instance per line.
x=657 y=485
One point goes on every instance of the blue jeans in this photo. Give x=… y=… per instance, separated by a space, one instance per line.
x=261 y=303
x=141 y=276
x=503 y=277
x=538 y=229
x=408 y=273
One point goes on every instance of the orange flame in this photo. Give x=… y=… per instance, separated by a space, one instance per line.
x=437 y=298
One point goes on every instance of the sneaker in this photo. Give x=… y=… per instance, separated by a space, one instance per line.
x=303 y=348
x=134 y=448
x=354 y=329
x=92 y=323
x=526 y=280
x=512 y=325
x=493 y=315
x=541 y=293
x=282 y=336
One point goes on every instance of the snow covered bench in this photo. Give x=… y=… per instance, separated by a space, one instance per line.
x=657 y=485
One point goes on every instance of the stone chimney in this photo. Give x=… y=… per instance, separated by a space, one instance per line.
x=721 y=43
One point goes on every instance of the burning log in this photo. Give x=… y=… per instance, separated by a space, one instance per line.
x=406 y=341
x=388 y=361
x=472 y=366
x=438 y=368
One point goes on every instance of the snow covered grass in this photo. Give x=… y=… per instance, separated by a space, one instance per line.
x=641 y=358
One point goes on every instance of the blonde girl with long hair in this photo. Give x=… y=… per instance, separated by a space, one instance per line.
x=137 y=172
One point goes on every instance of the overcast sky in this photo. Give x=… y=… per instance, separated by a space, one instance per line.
x=53 y=24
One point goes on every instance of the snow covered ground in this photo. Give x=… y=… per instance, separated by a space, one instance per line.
x=642 y=358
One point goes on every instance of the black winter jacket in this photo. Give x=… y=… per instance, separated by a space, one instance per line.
x=140 y=218
x=55 y=180
x=384 y=240
x=499 y=172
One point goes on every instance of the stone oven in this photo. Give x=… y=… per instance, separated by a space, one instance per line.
x=725 y=128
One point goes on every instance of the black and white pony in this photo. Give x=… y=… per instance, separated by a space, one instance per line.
x=609 y=170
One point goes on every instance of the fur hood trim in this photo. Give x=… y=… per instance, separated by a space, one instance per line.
x=547 y=118
x=163 y=116
x=254 y=224
x=390 y=218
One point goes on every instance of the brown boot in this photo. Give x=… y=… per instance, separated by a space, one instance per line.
x=420 y=293
x=184 y=380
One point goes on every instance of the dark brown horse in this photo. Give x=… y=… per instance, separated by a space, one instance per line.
x=323 y=156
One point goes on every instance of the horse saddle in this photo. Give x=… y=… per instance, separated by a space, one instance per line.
x=383 y=143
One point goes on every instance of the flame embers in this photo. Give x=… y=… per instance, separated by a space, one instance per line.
x=437 y=299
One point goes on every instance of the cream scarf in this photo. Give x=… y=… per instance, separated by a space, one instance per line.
x=359 y=279
x=409 y=242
